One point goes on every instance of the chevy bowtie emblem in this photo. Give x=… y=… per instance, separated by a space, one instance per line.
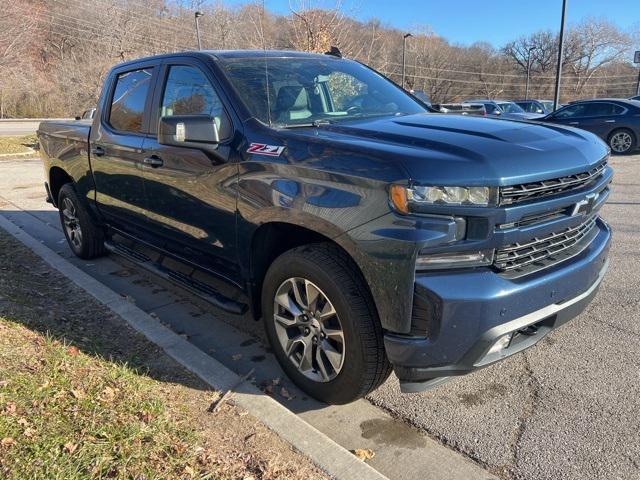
x=584 y=207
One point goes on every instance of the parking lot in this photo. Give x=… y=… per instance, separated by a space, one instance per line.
x=566 y=409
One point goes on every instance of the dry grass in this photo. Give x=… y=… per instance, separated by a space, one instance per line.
x=17 y=144
x=84 y=396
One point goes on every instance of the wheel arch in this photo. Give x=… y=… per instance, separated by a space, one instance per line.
x=57 y=178
x=272 y=239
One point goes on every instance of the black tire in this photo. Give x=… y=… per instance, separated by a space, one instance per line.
x=84 y=236
x=615 y=141
x=365 y=366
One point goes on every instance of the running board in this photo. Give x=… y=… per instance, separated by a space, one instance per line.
x=197 y=287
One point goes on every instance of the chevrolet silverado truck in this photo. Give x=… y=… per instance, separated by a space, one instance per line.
x=311 y=192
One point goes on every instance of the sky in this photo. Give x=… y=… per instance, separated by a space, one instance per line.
x=468 y=21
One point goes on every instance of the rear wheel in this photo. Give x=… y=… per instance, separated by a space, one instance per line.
x=622 y=141
x=85 y=238
x=322 y=324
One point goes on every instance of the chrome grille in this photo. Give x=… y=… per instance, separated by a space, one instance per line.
x=544 y=188
x=518 y=255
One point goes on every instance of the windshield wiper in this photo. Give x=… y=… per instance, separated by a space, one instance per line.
x=315 y=123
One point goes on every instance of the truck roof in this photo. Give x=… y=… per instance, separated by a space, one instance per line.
x=231 y=54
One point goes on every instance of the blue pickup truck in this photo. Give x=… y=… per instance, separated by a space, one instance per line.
x=309 y=191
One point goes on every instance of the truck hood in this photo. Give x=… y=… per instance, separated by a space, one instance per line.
x=467 y=150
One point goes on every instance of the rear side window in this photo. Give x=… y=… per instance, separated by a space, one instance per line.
x=189 y=92
x=129 y=97
x=604 y=109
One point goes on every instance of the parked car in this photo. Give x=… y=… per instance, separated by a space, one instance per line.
x=616 y=121
x=637 y=98
x=366 y=233
x=461 y=108
x=87 y=114
x=536 y=106
x=505 y=109
x=423 y=97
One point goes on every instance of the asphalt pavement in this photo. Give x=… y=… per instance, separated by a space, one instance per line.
x=565 y=409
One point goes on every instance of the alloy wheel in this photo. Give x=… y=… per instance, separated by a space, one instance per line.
x=71 y=223
x=621 y=142
x=309 y=329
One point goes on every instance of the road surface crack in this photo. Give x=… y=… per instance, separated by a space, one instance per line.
x=530 y=407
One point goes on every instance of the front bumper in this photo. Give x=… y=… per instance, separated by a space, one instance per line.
x=470 y=310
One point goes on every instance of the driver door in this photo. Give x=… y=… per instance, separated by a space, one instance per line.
x=190 y=197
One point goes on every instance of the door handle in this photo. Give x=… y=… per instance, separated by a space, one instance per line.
x=609 y=121
x=153 y=161
x=97 y=151
x=574 y=123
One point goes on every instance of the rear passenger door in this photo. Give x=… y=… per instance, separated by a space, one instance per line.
x=116 y=146
x=190 y=193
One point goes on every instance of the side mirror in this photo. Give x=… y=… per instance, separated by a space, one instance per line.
x=191 y=131
x=497 y=112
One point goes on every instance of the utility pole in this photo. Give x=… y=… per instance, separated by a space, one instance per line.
x=526 y=89
x=197 y=15
x=404 y=48
x=556 y=100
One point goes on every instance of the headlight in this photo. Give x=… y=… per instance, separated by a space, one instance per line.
x=476 y=258
x=403 y=198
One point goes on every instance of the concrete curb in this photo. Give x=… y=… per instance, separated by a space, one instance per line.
x=324 y=452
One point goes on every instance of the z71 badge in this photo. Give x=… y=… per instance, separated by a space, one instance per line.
x=263 y=149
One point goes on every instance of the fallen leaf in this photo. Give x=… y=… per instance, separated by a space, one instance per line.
x=70 y=447
x=189 y=471
x=285 y=393
x=108 y=394
x=4 y=383
x=10 y=409
x=29 y=432
x=23 y=422
x=144 y=417
x=364 y=453
x=73 y=351
x=78 y=394
x=236 y=357
x=268 y=389
x=7 y=442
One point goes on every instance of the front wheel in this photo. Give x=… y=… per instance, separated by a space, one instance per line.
x=322 y=324
x=622 y=141
x=85 y=238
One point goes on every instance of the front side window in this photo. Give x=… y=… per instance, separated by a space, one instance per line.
x=289 y=92
x=188 y=92
x=572 y=111
x=129 y=98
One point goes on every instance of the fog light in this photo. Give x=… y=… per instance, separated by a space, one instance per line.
x=502 y=343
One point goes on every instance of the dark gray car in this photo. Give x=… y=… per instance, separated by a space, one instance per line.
x=505 y=109
x=615 y=120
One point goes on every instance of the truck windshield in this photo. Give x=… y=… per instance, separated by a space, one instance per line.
x=293 y=92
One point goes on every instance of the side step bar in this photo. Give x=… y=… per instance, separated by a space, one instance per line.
x=197 y=287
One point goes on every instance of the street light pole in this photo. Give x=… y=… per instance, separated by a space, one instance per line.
x=526 y=88
x=197 y=15
x=556 y=99
x=404 y=48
